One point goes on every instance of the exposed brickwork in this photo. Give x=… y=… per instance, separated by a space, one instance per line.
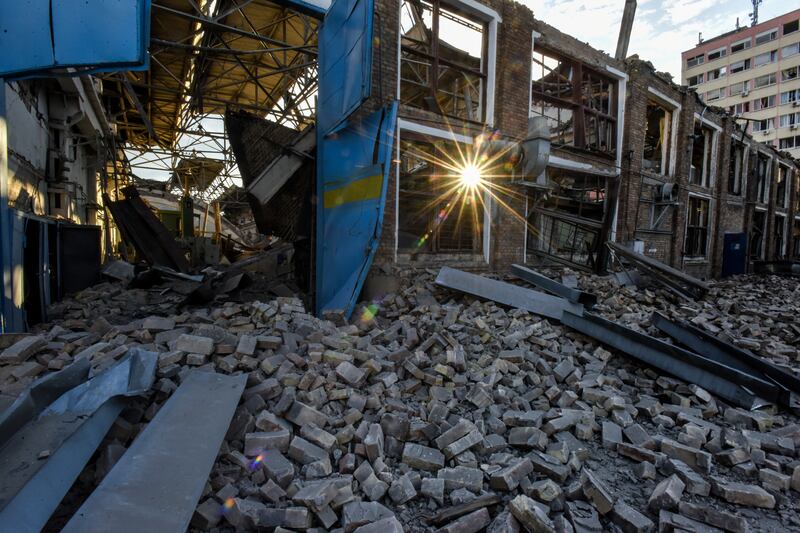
x=729 y=213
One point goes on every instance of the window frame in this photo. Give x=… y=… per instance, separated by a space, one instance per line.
x=699 y=59
x=487 y=75
x=773 y=33
x=796 y=47
x=796 y=23
x=748 y=41
x=697 y=229
x=722 y=52
x=577 y=103
x=773 y=57
x=737 y=164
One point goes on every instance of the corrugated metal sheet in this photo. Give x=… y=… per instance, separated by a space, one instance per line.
x=345 y=61
x=352 y=178
x=37 y=35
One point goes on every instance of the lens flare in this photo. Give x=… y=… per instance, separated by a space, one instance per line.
x=471 y=176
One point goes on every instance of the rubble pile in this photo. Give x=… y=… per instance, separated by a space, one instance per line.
x=434 y=411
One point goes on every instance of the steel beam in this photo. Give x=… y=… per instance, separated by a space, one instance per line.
x=156 y=485
x=554 y=287
x=713 y=348
x=672 y=278
x=507 y=294
x=726 y=382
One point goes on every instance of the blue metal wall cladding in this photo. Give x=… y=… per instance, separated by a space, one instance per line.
x=37 y=35
x=352 y=178
x=345 y=61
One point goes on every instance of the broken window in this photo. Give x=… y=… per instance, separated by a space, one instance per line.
x=566 y=223
x=782 y=187
x=697 y=227
x=780 y=236
x=579 y=113
x=762 y=177
x=434 y=215
x=738 y=109
x=791 y=27
x=700 y=171
x=789 y=74
x=737 y=168
x=796 y=238
x=442 y=66
x=657 y=138
x=757 y=235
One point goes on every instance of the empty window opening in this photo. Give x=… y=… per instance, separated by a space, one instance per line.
x=434 y=214
x=782 y=187
x=442 y=63
x=579 y=103
x=657 y=138
x=791 y=27
x=796 y=238
x=700 y=172
x=757 y=235
x=779 y=230
x=762 y=178
x=697 y=220
x=737 y=168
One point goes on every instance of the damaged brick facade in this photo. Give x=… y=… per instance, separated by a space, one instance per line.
x=672 y=191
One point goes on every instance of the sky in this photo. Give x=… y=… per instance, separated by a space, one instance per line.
x=662 y=29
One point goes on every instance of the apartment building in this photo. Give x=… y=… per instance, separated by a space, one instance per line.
x=754 y=73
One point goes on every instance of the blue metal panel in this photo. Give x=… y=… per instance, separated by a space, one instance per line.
x=352 y=178
x=734 y=254
x=345 y=61
x=25 y=36
x=37 y=35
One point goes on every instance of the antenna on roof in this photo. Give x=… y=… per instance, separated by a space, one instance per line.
x=699 y=37
x=754 y=14
x=737 y=23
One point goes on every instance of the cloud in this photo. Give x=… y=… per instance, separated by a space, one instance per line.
x=662 y=29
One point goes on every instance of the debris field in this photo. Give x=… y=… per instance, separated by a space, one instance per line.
x=432 y=410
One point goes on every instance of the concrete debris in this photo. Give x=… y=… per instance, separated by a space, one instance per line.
x=434 y=410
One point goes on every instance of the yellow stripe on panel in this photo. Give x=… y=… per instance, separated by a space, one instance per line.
x=364 y=189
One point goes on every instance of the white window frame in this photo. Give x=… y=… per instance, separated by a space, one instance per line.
x=407 y=125
x=710 y=179
x=796 y=47
x=773 y=57
x=709 y=235
x=674 y=108
x=492 y=20
x=698 y=59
